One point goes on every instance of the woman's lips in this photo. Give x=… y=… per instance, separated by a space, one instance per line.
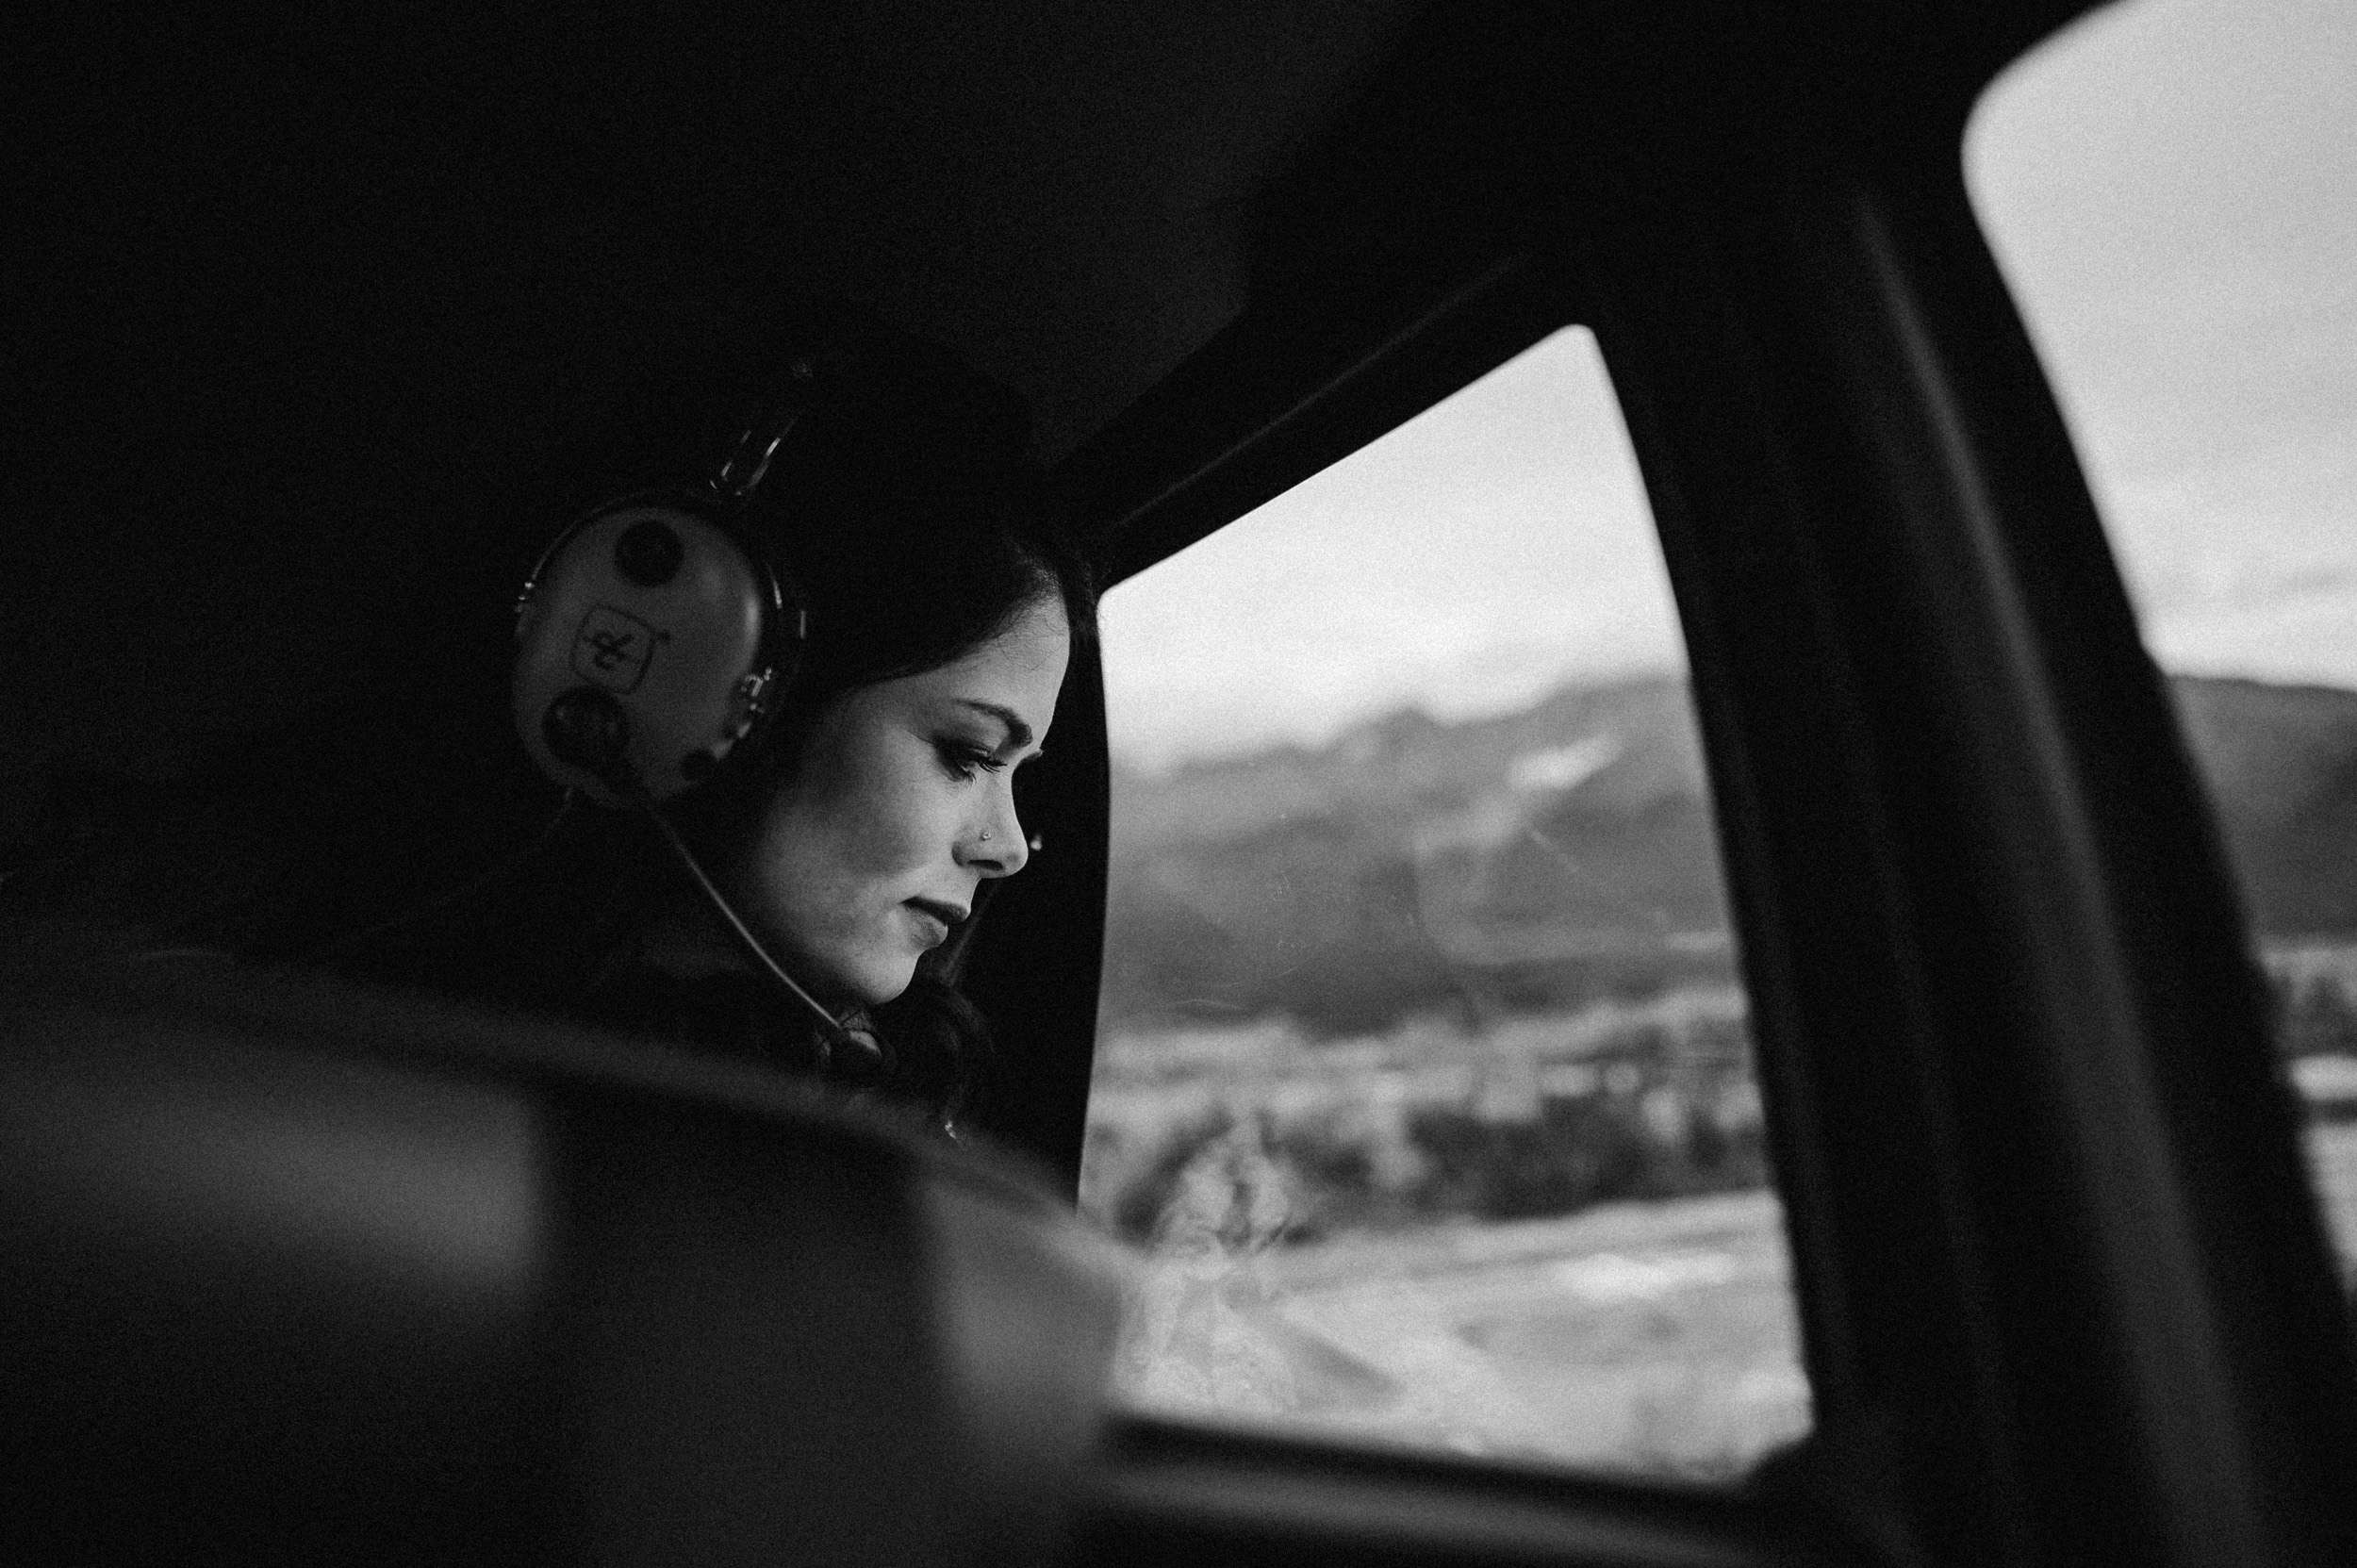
x=935 y=918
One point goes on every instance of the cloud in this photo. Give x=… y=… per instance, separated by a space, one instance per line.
x=1485 y=553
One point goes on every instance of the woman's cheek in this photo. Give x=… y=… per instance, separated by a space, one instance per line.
x=912 y=812
x=847 y=806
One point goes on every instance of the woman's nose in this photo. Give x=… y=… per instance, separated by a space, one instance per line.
x=996 y=848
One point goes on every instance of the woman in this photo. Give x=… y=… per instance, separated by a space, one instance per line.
x=840 y=862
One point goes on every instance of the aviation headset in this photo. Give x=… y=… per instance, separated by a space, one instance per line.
x=655 y=640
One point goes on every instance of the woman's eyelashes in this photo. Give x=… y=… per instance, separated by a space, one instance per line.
x=962 y=759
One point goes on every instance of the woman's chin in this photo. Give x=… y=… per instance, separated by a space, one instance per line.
x=872 y=983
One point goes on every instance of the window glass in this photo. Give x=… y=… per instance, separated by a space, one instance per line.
x=2171 y=190
x=1424 y=1086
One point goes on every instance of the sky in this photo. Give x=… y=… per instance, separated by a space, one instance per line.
x=1466 y=563
x=2171 y=188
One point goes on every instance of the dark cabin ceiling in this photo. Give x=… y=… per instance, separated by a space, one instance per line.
x=301 y=291
x=1061 y=190
x=305 y=286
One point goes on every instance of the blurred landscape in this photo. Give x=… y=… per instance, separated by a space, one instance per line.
x=1426 y=1080
x=1564 y=854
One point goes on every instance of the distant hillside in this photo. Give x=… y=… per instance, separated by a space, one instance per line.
x=2282 y=767
x=1566 y=852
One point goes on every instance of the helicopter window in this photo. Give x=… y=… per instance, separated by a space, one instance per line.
x=2171 y=190
x=1422 y=1078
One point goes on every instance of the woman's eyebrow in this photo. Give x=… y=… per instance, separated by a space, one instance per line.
x=1019 y=732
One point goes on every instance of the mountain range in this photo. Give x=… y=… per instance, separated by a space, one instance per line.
x=1566 y=852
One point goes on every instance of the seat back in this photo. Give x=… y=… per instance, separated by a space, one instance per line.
x=290 y=1273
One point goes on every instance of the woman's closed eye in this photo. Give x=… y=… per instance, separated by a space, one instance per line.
x=964 y=760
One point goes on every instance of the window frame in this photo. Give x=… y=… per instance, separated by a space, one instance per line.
x=2064 y=1290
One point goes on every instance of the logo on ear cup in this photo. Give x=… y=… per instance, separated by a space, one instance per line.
x=613 y=647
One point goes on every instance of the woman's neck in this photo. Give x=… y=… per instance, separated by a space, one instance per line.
x=684 y=939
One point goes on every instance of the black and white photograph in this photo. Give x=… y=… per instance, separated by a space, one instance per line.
x=1429 y=782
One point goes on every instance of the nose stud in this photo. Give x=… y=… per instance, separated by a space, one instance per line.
x=986 y=835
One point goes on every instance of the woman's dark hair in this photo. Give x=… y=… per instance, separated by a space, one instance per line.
x=918 y=527
x=901 y=578
x=918 y=531
x=903 y=501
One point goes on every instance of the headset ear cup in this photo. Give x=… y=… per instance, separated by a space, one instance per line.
x=652 y=643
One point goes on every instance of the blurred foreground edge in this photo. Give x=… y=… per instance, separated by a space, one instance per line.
x=295 y=1272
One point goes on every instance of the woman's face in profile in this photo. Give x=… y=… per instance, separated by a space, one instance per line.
x=900 y=804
